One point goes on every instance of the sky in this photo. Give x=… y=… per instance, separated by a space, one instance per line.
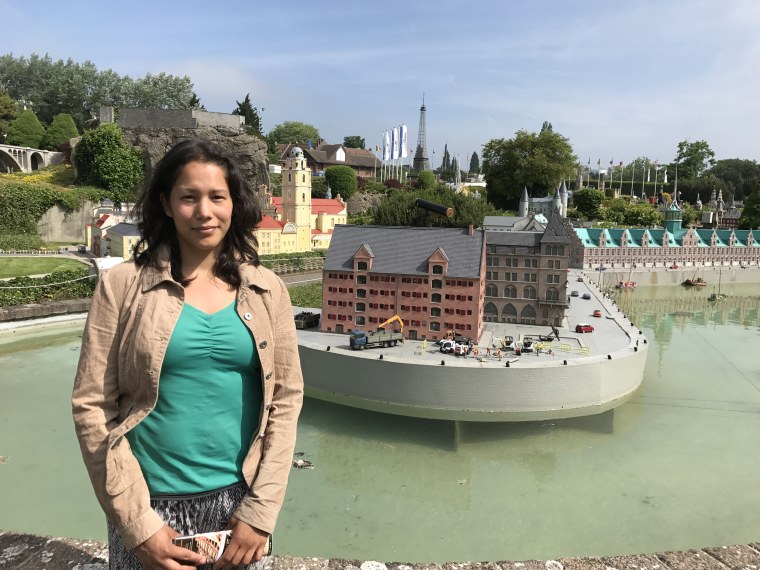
x=618 y=79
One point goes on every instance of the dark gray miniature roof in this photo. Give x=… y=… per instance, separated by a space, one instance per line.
x=124 y=229
x=555 y=231
x=406 y=250
x=518 y=239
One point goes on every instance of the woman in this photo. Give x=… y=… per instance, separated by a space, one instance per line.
x=195 y=315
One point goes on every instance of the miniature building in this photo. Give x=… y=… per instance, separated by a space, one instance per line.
x=662 y=247
x=296 y=221
x=545 y=205
x=123 y=238
x=364 y=162
x=433 y=278
x=526 y=275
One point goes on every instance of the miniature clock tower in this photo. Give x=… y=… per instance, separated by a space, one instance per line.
x=296 y=198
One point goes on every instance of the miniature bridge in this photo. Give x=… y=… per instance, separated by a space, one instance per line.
x=25 y=159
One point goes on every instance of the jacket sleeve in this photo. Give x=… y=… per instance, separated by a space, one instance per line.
x=261 y=506
x=114 y=471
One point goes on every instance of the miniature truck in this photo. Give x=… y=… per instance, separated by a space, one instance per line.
x=359 y=340
x=306 y=320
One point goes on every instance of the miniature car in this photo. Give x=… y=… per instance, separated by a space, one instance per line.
x=575 y=294
x=580 y=279
x=597 y=313
x=583 y=328
x=674 y=266
x=587 y=296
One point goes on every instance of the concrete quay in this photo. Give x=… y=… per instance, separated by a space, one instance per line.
x=32 y=552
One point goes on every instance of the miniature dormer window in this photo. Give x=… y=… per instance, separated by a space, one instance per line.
x=361 y=266
x=437 y=269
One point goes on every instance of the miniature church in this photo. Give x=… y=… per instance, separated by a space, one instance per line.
x=297 y=222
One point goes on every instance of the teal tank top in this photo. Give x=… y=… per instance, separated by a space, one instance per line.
x=208 y=408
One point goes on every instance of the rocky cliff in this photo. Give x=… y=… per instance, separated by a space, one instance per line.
x=249 y=151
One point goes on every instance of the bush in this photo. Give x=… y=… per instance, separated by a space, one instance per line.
x=318 y=187
x=20 y=242
x=375 y=187
x=60 y=130
x=342 y=180
x=104 y=159
x=63 y=285
x=425 y=180
x=26 y=130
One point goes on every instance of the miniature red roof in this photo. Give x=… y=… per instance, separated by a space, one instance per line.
x=269 y=223
x=318 y=205
x=101 y=220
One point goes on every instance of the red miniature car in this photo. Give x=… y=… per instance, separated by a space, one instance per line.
x=597 y=313
x=583 y=328
x=674 y=266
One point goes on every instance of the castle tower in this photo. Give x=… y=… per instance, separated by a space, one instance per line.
x=713 y=202
x=673 y=218
x=296 y=202
x=421 y=162
x=563 y=196
x=557 y=202
x=523 y=213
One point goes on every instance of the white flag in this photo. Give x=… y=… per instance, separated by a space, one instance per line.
x=404 y=146
x=394 y=144
x=648 y=171
x=386 y=147
x=666 y=177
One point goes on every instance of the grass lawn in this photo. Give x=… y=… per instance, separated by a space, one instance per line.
x=306 y=295
x=23 y=266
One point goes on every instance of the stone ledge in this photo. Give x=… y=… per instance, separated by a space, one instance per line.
x=31 y=552
x=37 y=311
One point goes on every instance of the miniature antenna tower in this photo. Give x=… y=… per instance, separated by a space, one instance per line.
x=421 y=161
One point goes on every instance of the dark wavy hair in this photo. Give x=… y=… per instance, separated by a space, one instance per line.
x=157 y=229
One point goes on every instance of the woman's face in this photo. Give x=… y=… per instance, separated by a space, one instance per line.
x=201 y=206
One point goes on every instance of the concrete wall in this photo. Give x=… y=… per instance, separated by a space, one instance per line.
x=207 y=119
x=174 y=119
x=427 y=389
x=57 y=224
x=157 y=118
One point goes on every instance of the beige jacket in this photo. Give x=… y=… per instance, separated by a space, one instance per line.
x=133 y=313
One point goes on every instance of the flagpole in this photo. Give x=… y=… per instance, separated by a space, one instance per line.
x=633 y=177
x=621 y=177
x=656 y=168
x=643 y=176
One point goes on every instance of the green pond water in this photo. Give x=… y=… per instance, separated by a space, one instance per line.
x=677 y=467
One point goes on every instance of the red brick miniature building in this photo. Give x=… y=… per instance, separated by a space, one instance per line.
x=433 y=278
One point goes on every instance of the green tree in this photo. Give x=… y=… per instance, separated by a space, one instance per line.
x=102 y=158
x=60 y=130
x=399 y=209
x=693 y=158
x=538 y=161
x=588 y=201
x=750 y=218
x=643 y=215
x=251 y=115
x=79 y=89
x=342 y=180
x=740 y=176
x=195 y=103
x=426 y=180
x=474 y=163
x=294 y=132
x=353 y=141
x=26 y=130
x=319 y=187
x=8 y=112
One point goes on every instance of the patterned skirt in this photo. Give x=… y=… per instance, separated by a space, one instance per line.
x=187 y=514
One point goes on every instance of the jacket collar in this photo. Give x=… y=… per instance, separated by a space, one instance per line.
x=250 y=276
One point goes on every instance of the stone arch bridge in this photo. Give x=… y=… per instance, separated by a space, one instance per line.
x=25 y=159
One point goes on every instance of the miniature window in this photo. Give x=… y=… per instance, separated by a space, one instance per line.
x=361 y=266
x=437 y=269
x=435 y=298
x=437 y=284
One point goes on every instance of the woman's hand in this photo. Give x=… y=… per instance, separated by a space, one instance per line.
x=246 y=545
x=159 y=553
